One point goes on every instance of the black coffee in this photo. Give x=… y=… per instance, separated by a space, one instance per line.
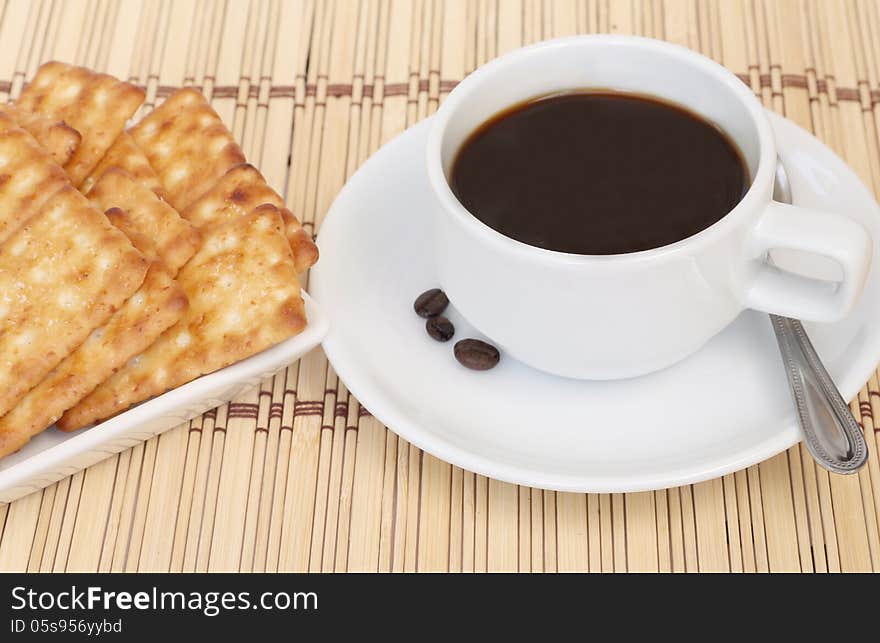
x=598 y=173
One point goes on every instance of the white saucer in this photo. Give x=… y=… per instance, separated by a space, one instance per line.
x=718 y=411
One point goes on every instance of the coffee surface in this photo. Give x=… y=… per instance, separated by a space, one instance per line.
x=598 y=173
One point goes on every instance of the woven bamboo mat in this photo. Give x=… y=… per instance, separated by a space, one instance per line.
x=298 y=476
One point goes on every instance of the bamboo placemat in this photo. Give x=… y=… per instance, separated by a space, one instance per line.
x=298 y=476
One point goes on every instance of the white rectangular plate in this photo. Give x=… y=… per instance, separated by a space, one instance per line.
x=53 y=454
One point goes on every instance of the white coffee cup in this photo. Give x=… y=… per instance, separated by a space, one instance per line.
x=616 y=316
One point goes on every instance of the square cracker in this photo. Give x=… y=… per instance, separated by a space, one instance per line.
x=188 y=145
x=126 y=155
x=244 y=297
x=176 y=239
x=62 y=274
x=238 y=192
x=28 y=177
x=156 y=305
x=96 y=105
x=56 y=137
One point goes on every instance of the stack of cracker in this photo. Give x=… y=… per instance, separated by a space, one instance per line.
x=174 y=259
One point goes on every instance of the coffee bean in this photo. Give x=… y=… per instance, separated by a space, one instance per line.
x=440 y=328
x=476 y=355
x=431 y=303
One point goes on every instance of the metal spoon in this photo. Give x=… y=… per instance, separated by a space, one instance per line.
x=833 y=436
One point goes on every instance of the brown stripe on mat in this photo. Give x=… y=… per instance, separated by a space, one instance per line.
x=308 y=408
x=794 y=80
x=366 y=91
x=243 y=410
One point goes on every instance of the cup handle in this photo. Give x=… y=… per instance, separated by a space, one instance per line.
x=835 y=236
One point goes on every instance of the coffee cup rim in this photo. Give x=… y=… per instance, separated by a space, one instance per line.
x=761 y=185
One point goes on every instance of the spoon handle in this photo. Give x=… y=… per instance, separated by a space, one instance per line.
x=833 y=436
